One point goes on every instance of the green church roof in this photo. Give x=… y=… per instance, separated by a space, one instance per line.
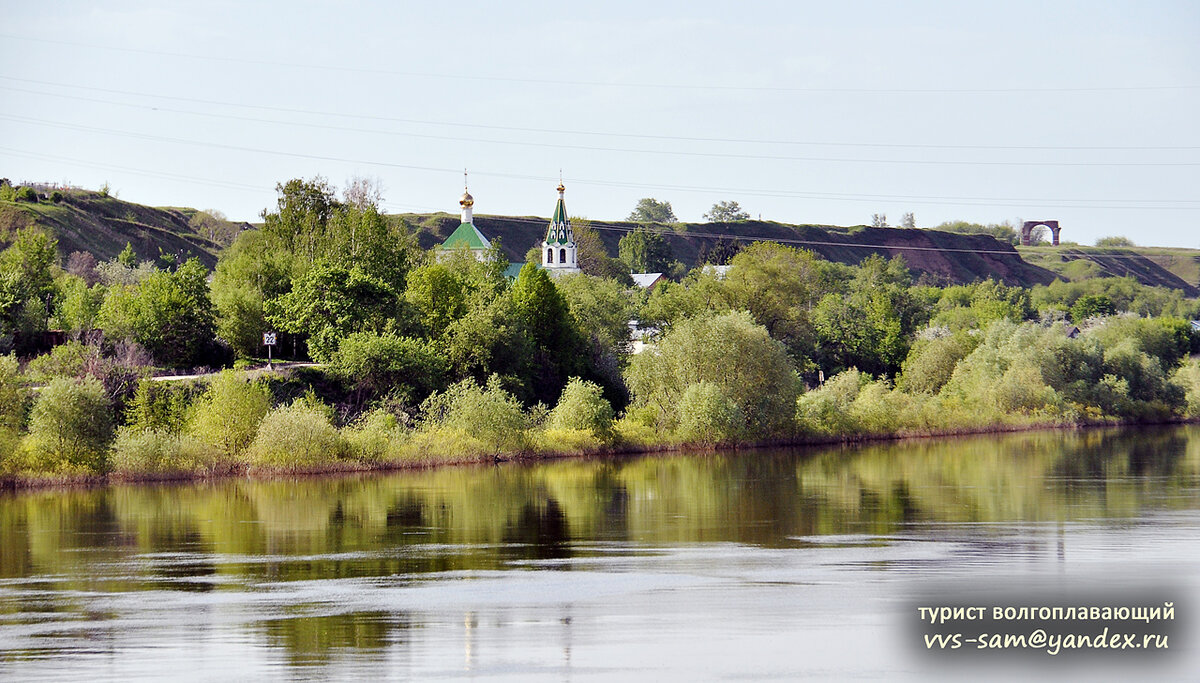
x=560 y=231
x=466 y=235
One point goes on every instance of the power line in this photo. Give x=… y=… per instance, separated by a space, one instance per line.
x=554 y=131
x=611 y=84
x=158 y=138
x=843 y=197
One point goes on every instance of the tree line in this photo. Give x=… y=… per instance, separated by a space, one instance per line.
x=432 y=358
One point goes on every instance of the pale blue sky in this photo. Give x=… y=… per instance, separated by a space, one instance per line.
x=803 y=112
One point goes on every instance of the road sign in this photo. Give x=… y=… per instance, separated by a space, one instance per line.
x=268 y=339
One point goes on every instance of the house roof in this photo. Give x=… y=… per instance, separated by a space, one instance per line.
x=646 y=280
x=466 y=234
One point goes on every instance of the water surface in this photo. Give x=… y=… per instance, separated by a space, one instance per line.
x=756 y=564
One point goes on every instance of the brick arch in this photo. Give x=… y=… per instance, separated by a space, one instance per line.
x=1027 y=231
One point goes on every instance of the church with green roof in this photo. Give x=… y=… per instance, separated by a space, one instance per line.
x=466 y=234
x=558 y=249
x=559 y=253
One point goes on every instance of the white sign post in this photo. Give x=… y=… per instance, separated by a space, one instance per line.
x=268 y=341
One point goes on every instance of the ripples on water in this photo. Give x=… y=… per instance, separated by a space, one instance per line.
x=765 y=564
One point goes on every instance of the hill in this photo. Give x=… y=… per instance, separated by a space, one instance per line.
x=101 y=224
x=944 y=257
x=1158 y=266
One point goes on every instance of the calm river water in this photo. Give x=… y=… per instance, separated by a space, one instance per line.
x=748 y=565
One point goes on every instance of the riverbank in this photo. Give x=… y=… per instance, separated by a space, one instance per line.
x=17 y=482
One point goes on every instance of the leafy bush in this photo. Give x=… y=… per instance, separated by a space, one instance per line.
x=931 y=362
x=376 y=363
x=1187 y=378
x=119 y=371
x=56 y=197
x=25 y=194
x=488 y=414
x=1091 y=306
x=582 y=407
x=296 y=437
x=159 y=451
x=1115 y=241
x=228 y=415
x=708 y=415
x=70 y=427
x=374 y=437
x=161 y=406
x=730 y=351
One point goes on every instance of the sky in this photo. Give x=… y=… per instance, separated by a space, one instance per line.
x=826 y=113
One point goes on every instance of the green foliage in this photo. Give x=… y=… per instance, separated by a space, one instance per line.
x=137 y=452
x=726 y=212
x=1187 y=378
x=228 y=414
x=296 y=437
x=600 y=308
x=491 y=340
x=374 y=437
x=729 y=350
x=25 y=194
x=870 y=327
x=709 y=415
x=974 y=306
x=168 y=313
x=649 y=210
x=26 y=287
x=14 y=395
x=331 y=302
x=248 y=274
x=582 y=407
x=1115 y=241
x=1166 y=339
x=1004 y=232
x=645 y=251
x=161 y=406
x=70 y=427
x=1092 y=306
x=76 y=305
x=487 y=413
x=376 y=363
x=931 y=362
x=128 y=257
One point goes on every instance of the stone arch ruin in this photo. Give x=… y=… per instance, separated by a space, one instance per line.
x=1027 y=231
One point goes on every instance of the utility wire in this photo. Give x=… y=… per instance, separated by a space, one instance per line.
x=610 y=84
x=555 y=131
x=158 y=138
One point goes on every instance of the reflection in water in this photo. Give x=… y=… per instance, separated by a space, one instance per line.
x=346 y=571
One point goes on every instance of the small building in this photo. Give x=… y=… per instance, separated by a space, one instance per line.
x=648 y=281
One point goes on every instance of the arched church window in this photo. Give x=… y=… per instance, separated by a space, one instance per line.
x=562 y=255
x=549 y=256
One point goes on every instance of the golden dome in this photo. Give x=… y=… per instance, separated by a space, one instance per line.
x=466 y=199
x=561 y=188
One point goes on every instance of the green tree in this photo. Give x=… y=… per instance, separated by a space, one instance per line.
x=128 y=257
x=228 y=415
x=170 y=314
x=649 y=210
x=1092 y=306
x=645 y=251
x=730 y=351
x=375 y=363
x=582 y=407
x=726 y=212
x=329 y=303
x=1115 y=241
x=709 y=415
x=70 y=427
x=299 y=223
x=27 y=269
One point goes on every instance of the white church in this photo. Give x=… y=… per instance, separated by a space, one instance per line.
x=559 y=252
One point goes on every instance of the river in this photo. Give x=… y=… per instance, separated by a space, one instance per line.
x=765 y=564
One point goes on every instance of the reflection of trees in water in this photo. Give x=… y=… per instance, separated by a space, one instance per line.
x=317 y=639
x=539 y=532
x=482 y=518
